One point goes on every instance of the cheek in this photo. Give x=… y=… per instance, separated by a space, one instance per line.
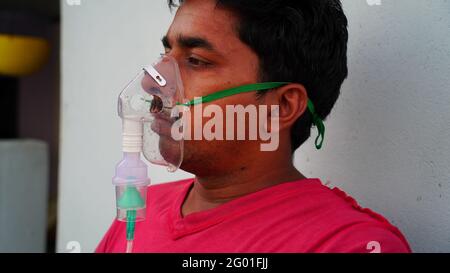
x=216 y=116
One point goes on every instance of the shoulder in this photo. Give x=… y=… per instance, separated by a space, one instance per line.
x=363 y=230
x=329 y=220
x=366 y=237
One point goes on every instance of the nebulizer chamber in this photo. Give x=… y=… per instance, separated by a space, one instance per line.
x=149 y=108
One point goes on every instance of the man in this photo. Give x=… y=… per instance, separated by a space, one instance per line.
x=243 y=199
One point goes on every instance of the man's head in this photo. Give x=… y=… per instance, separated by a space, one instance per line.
x=221 y=44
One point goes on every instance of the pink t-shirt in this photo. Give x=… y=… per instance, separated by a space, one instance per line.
x=299 y=216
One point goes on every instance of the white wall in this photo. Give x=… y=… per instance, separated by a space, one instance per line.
x=387 y=141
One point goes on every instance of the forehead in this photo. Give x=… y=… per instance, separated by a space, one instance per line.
x=203 y=18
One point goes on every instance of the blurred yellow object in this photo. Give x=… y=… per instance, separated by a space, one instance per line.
x=22 y=55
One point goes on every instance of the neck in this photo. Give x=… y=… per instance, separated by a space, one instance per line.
x=210 y=192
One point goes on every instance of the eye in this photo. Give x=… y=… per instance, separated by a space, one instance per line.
x=195 y=62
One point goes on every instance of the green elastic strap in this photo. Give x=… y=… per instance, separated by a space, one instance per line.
x=258 y=87
x=319 y=124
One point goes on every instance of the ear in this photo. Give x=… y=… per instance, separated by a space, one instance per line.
x=292 y=100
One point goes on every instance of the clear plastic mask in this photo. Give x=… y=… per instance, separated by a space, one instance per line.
x=154 y=98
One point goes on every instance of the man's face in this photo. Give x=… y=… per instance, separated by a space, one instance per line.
x=203 y=39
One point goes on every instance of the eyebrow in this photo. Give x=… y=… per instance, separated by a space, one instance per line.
x=189 y=42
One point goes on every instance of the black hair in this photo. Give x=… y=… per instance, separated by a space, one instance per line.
x=301 y=41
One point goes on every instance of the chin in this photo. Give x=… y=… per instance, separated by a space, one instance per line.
x=170 y=150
